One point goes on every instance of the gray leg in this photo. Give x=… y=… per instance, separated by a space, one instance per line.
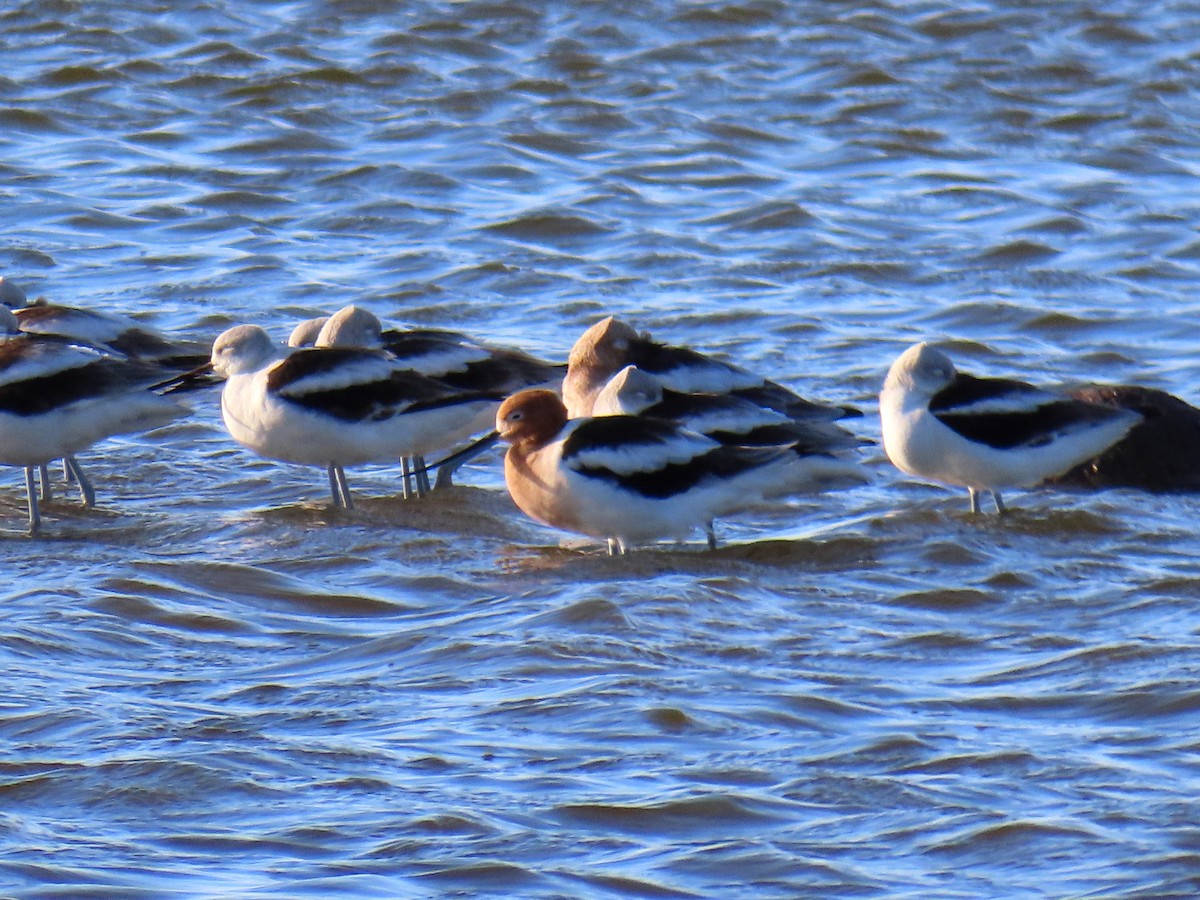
x=334 y=488
x=974 y=501
x=406 y=473
x=421 y=474
x=35 y=515
x=68 y=475
x=44 y=473
x=343 y=487
x=87 y=493
x=712 y=535
x=1000 y=507
x=445 y=476
x=616 y=547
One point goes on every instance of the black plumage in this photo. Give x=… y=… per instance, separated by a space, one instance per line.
x=663 y=359
x=1033 y=426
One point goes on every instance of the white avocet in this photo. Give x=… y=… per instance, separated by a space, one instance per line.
x=449 y=356
x=110 y=333
x=631 y=479
x=106 y=331
x=986 y=434
x=336 y=406
x=58 y=398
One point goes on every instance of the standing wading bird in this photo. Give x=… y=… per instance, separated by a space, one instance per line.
x=986 y=434
x=610 y=345
x=109 y=333
x=452 y=358
x=631 y=479
x=334 y=407
x=729 y=419
x=58 y=398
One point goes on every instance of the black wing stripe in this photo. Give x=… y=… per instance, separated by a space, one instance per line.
x=966 y=390
x=1037 y=427
x=46 y=393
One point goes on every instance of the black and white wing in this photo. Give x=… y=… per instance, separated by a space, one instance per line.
x=358 y=385
x=109 y=332
x=653 y=458
x=38 y=376
x=468 y=365
x=688 y=371
x=1005 y=414
x=730 y=419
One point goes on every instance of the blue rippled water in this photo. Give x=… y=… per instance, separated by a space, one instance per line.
x=219 y=687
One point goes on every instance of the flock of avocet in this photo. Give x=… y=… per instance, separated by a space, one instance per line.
x=630 y=442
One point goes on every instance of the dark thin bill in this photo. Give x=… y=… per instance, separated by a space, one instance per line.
x=193 y=378
x=474 y=447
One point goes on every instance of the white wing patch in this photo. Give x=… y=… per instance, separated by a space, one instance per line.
x=1016 y=401
x=640 y=458
x=710 y=377
x=736 y=418
x=354 y=372
x=443 y=361
x=39 y=360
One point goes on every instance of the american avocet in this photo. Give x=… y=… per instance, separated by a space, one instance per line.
x=354 y=326
x=57 y=399
x=110 y=332
x=449 y=356
x=630 y=479
x=986 y=434
x=335 y=407
x=610 y=345
x=725 y=418
x=1160 y=454
x=107 y=332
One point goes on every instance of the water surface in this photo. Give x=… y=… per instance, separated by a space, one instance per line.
x=219 y=687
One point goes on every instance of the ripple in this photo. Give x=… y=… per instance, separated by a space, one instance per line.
x=762 y=217
x=1019 y=252
x=490 y=875
x=29 y=120
x=217 y=686
x=691 y=815
x=944 y=599
x=550 y=227
x=137 y=609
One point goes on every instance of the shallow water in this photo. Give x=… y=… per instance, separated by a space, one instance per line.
x=219 y=687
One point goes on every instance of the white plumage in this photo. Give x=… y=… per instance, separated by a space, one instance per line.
x=335 y=407
x=986 y=434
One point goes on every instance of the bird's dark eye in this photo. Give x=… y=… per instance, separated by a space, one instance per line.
x=515 y=416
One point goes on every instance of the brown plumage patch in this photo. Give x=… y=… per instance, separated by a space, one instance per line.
x=1160 y=454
